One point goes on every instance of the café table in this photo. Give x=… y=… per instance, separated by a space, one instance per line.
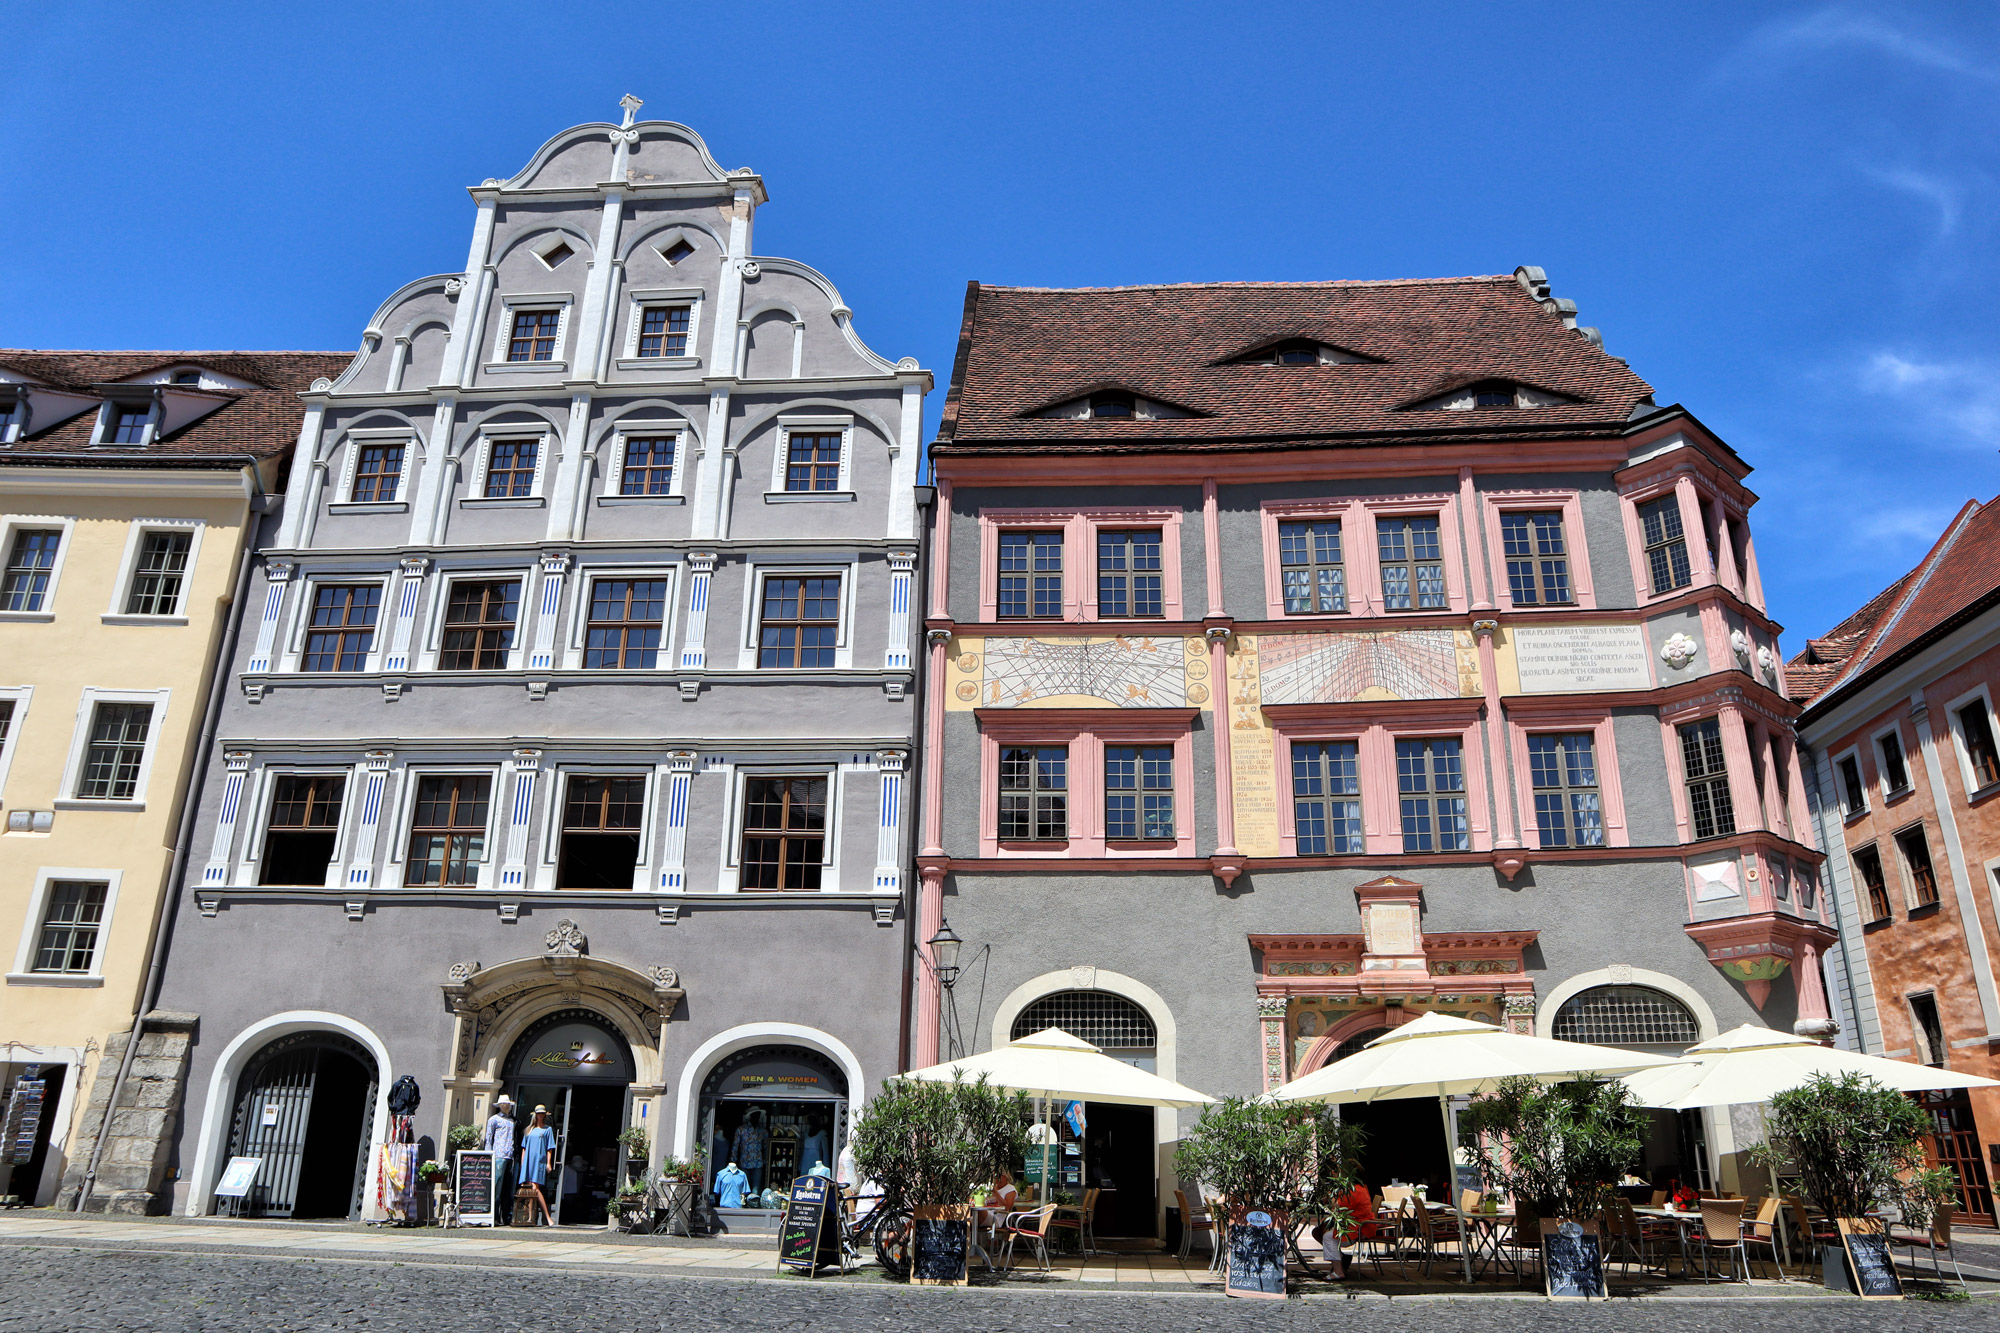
x=986 y=1219
x=1482 y=1231
x=1684 y=1221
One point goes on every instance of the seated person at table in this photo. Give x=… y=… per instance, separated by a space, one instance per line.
x=1360 y=1208
x=1004 y=1194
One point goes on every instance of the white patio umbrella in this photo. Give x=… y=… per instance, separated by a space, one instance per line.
x=1441 y=1056
x=1750 y=1065
x=1051 y=1065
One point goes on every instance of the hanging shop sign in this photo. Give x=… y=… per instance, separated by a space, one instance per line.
x=779 y=1075
x=476 y=1168
x=576 y=1050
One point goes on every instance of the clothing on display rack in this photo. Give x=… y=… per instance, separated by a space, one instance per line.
x=396 y=1185
x=405 y=1096
x=748 y=1149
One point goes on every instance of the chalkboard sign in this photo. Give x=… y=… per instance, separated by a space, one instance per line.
x=940 y=1247
x=808 y=1237
x=1868 y=1253
x=1256 y=1258
x=475 y=1188
x=1572 y=1259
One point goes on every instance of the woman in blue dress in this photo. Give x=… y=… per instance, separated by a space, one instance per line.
x=538 y=1158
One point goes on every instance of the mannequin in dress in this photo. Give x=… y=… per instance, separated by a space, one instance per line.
x=538 y=1158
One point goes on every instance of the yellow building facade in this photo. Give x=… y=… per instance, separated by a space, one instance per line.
x=131 y=489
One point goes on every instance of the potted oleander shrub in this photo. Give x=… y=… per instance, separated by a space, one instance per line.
x=1857 y=1147
x=930 y=1145
x=1290 y=1162
x=1560 y=1148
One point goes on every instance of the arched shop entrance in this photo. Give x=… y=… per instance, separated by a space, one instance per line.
x=774 y=1112
x=1643 y=1018
x=1116 y=1149
x=575 y=1063
x=305 y=1106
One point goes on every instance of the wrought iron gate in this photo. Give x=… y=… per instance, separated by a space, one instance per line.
x=274 y=1100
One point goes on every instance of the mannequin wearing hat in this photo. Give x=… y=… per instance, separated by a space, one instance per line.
x=538 y=1158
x=499 y=1140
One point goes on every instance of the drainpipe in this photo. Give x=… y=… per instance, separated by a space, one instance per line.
x=163 y=917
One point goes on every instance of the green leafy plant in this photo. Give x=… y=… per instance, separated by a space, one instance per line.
x=462 y=1138
x=680 y=1170
x=1561 y=1148
x=432 y=1172
x=932 y=1143
x=1294 y=1159
x=1857 y=1146
x=635 y=1141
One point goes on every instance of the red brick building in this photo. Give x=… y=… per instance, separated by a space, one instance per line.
x=1905 y=791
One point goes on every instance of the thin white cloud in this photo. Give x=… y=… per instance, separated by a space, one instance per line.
x=1961 y=398
x=1936 y=191
x=1837 y=27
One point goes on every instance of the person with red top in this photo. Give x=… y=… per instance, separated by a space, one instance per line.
x=1359 y=1205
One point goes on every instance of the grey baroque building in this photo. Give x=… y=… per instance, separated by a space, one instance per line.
x=569 y=752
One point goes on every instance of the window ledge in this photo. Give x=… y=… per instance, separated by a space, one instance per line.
x=613 y=501
x=659 y=363
x=110 y=619
x=1923 y=910
x=807 y=497
x=28 y=617
x=79 y=803
x=507 y=367
x=1854 y=816
x=51 y=979
x=501 y=502
x=368 y=507
x=1979 y=794
x=1891 y=797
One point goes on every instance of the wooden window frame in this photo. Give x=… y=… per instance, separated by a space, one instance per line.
x=1327 y=798
x=1033 y=541
x=1526 y=718
x=819 y=867
x=646 y=473
x=341 y=632
x=1130 y=576
x=1358 y=515
x=1404 y=527
x=666 y=333
x=764 y=621
x=120 y=790
x=1879 y=753
x=513 y=475
x=1979 y=783
x=1313 y=566
x=1376 y=727
x=550 y=317
x=1037 y=792
x=815 y=463
x=385 y=486
x=314 y=777
x=1710 y=779
x=626 y=625
x=1851 y=808
x=93 y=960
x=1496 y=506
x=508 y=631
x=1431 y=795
x=1080 y=527
x=478 y=853
x=1918 y=881
x=13 y=572
x=1144 y=754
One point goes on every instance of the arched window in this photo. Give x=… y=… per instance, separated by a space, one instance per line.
x=1625 y=1016
x=1355 y=1043
x=1108 y=1022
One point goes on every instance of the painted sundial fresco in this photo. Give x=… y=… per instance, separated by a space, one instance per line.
x=1115 y=671
x=1343 y=667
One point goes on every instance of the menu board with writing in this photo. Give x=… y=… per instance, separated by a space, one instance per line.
x=475 y=1188
x=1868 y=1253
x=1572 y=1259
x=1256 y=1258
x=941 y=1246
x=1566 y=659
x=806 y=1239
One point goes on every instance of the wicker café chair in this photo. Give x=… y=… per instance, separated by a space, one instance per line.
x=1722 y=1233
x=1034 y=1227
x=1937 y=1240
x=1193 y=1220
x=1763 y=1231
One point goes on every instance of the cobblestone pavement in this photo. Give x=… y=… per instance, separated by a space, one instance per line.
x=83 y=1290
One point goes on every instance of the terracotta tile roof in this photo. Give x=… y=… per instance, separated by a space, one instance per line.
x=262 y=421
x=1022 y=349
x=1958 y=578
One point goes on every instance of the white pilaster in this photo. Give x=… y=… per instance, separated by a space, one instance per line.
x=677 y=773
x=431 y=503
x=694 y=643
x=410 y=573
x=461 y=354
x=361 y=860
x=277 y=575
x=216 y=872
x=307 y=474
x=567 y=483
x=903 y=455
x=711 y=463
x=597 y=289
x=555 y=564
x=526 y=765
x=888 y=839
x=902 y=566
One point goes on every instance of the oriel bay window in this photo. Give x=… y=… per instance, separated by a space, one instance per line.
x=602 y=822
x=479 y=625
x=784 y=833
x=1706 y=772
x=448 y=829
x=1665 y=543
x=304 y=826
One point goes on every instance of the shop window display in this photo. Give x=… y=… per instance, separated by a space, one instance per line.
x=768 y=1116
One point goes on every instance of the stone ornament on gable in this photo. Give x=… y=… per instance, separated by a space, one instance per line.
x=1767 y=661
x=453 y=286
x=1678 y=651
x=322 y=384
x=1739 y=643
x=566 y=940
x=624 y=136
x=749 y=268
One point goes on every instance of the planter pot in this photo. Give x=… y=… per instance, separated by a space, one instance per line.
x=941 y=1244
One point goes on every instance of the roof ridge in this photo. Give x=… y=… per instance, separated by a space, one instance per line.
x=1857 y=662
x=1320 y=282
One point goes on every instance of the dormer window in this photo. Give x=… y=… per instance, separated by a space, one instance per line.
x=1111 y=405
x=1299 y=352
x=190 y=377
x=1493 y=395
x=126 y=423
x=1490 y=394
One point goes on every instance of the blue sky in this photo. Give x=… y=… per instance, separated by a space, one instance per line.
x=1783 y=216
